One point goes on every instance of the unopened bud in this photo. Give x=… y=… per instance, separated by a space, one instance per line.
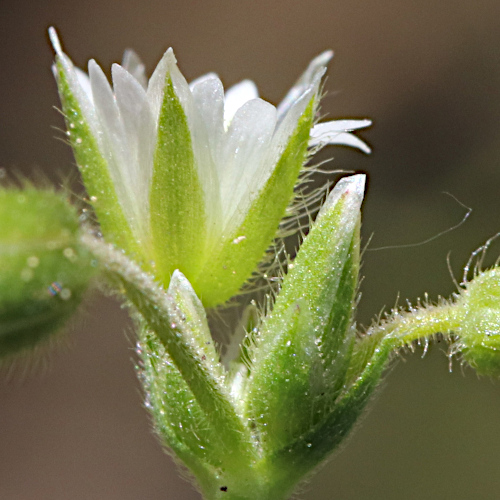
x=43 y=268
x=479 y=332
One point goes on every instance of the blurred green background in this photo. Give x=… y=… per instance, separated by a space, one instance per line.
x=428 y=73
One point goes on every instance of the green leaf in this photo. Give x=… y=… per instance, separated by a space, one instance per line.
x=237 y=255
x=178 y=219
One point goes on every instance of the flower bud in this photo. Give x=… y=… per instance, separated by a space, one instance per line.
x=300 y=364
x=479 y=331
x=43 y=268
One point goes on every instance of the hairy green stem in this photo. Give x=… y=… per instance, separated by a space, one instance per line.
x=404 y=328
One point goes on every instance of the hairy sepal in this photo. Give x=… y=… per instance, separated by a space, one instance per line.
x=302 y=353
x=177 y=200
x=93 y=167
x=177 y=319
x=180 y=421
x=237 y=255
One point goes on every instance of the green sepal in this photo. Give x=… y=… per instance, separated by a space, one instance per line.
x=180 y=422
x=44 y=269
x=94 y=169
x=302 y=355
x=177 y=206
x=176 y=316
x=291 y=464
x=237 y=255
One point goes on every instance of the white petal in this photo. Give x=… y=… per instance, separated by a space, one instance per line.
x=208 y=95
x=310 y=77
x=84 y=81
x=133 y=64
x=139 y=129
x=287 y=126
x=156 y=84
x=342 y=138
x=202 y=78
x=236 y=96
x=339 y=126
x=244 y=169
x=106 y=108
x=112 y=139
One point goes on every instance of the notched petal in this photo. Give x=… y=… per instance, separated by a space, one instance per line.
x=338 y=132
x=245 y=150
x=133 y=64
x=310 y=78
x=236 y=96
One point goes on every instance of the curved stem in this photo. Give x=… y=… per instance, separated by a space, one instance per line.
x=403 y=328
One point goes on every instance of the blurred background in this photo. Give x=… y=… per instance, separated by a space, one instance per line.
x=428 y=73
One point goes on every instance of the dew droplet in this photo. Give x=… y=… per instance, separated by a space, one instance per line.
x=27 y=274
x=65 y=294
x=239 y=239
x=70 y=254
x=93 y=198
x=79 y=140
x=33 y=261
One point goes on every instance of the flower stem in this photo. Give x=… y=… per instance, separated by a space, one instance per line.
x=404 y=328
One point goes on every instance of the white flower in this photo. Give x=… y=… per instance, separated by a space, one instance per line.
x=236 y=138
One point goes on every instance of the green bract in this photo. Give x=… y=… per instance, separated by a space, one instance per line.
x=44 y=269
x=186 y=176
